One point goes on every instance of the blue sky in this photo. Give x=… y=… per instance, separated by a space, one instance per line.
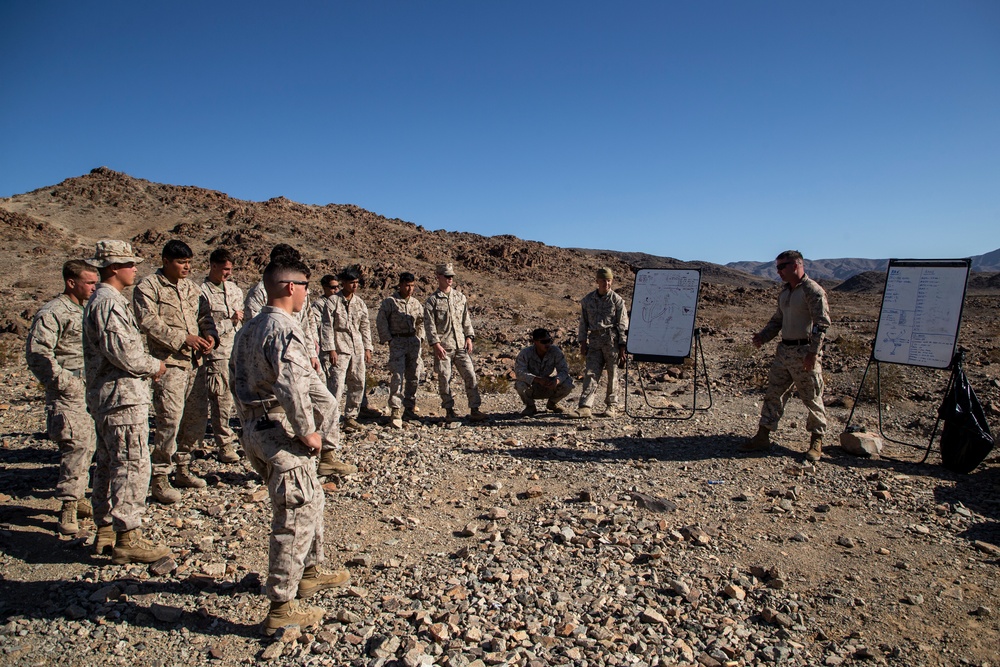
x=706 y=130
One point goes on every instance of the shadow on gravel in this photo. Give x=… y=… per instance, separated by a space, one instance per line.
x=21 y=540
x=42 y=452
x=123 y=602
x=684 y=448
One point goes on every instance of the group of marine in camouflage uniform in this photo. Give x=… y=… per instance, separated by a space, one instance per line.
x=287 y=363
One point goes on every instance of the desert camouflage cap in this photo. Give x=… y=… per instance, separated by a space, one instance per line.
x=445 y=269
x=605 y=272
x=113 y=252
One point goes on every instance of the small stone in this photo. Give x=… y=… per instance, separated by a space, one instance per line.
x=163 y=567
x=361 y=560
x=650 y=615
x=166 y=613
x=498 y=513
x=534 y=492
x=469 y=530
x=734 y=592
x=910 y=598
x=982 y=611
x=345 y=616
x=273 y=651
x=846 y=542
x=987 y=548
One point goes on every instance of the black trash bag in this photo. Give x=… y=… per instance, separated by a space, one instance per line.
x=966 y=439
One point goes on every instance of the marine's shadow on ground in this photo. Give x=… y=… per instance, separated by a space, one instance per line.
x=123 y=601
x=626 y=448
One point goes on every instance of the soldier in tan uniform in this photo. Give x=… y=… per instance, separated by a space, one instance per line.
x=802 y=318
x=180 y=331
x=400 y=325
x=54 y=352
x=450 y=334
x=346 y=346
x=224 y=299
x=603 y=334
x=256 y=299
x=330 y=286
x=118 y=371
x=286 y=411
x=542 y=372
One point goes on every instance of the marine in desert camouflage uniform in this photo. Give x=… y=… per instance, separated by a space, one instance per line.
x=256 y=299
x=54 y=352
x=802 y=318
x=211 y=392
x=450 y=334
x=118 y=371
x=603 y=334
x=345 y=344
x=287 y=412
x=400 y=325
x=542 y=372
x=179 y=330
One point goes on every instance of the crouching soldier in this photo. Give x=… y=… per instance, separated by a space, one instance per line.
x=542 y=372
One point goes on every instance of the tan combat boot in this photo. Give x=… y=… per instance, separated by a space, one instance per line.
x=351 y=424
x=330 y=465
x=291 y=613
x=228 y=454
x=314 y=582
x=760 y=442
x=582 y=413
x=162 y=491
x=131 y=548
x=529 y=410
x=611 y=412
x=411 y=414
x=450 y=415
x=105 y=541
x=84 y=510
x=552 y=406
x=67 y=518
x=185 y=479
x=815 y=448
x=477 y=416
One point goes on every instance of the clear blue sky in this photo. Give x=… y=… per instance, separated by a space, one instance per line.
x=712 y=130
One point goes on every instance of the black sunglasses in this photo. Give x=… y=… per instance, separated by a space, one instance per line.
x=783 y=265
x=304 y=283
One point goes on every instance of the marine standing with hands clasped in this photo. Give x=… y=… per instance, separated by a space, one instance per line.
x=802 y=318
x=118 y=373
x=224 y=299
x=180 y=331
x=450 y=335
x=54 y=352
x=400 y=325
x=286 y=408
x=603 y=335
x=346 y=346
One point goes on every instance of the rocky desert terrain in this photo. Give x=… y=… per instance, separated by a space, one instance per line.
x=643 y=539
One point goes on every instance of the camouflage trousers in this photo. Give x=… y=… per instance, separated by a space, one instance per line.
x=461 y=360
x=71 y=427
x=297 y=503
x=347 y=376
x=210 y=394
x=532 y=392
x=602 y=355
x=405 y=365
x=121 y=479
x=785 y=374
x=170 y=396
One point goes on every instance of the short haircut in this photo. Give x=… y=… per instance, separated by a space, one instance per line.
x=74 y=267
x=790 y=254
x=284 y=250
x=541 y=334
x=221 y=256
x=349 y=274
x=407 y=277
x=279 y=269
x=176 y=249
x=328 y=280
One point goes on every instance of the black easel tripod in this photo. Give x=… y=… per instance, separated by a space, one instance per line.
x=699 y=353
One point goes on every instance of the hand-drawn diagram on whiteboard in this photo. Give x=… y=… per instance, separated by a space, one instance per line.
x=664 y=305
x=921 y=312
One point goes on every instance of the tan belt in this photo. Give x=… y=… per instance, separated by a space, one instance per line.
x=258 y=411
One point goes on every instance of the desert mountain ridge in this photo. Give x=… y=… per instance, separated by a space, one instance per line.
x=844 y=268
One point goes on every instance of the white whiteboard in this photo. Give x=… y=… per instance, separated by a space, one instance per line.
x=921 y=312
x=664 y=305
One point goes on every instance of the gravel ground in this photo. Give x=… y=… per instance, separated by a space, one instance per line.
x=532 y=542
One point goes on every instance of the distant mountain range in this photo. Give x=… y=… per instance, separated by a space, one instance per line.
x=846 y=267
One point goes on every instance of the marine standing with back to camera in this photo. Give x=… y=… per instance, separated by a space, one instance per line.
x=802 y=318
x=54 y=352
